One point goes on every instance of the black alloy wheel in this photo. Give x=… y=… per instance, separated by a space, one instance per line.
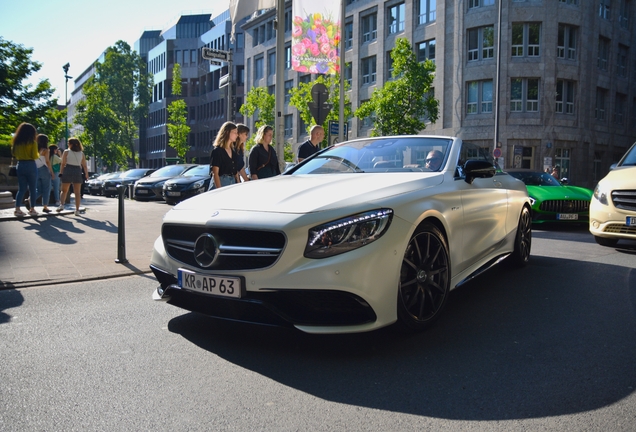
x=424 y=279
x=523 y=240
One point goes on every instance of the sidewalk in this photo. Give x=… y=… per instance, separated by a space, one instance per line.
x=61 y=247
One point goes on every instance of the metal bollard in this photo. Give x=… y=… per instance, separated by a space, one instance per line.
x=121 y=229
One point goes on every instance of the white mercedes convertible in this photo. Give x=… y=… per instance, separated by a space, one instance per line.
x=362 y=235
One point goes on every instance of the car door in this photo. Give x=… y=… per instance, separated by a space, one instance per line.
x=485 y=208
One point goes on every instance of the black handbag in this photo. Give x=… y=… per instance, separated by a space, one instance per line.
x=13 y=170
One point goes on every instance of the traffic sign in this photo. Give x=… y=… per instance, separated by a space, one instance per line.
x=497 y=153
x=213 y=54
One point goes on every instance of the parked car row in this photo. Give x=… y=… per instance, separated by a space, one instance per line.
x=172 y=183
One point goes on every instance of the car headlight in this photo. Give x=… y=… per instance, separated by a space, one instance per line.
x=196 y=184
x=159 y=184
x=532 y=200
x=343 y=235
x=600 y=194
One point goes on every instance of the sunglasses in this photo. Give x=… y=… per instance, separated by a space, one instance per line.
x=432 y=159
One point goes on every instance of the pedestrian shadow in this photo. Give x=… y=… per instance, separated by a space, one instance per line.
x=107 y=226
x=9 y=299
x=509 y=346
x=54 y=229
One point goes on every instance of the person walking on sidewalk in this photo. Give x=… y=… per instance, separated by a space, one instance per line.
x=73 y=161
x=25 y=150
x=56 y=162
x=45 y=173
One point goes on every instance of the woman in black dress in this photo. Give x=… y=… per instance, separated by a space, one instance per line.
x=263 y=159
x=223 y=165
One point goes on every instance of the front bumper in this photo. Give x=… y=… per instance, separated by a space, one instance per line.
x=609 y=222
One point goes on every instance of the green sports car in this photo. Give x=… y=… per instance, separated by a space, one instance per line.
x=553 y=201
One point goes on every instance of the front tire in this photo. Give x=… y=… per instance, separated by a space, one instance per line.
x=424 y=279
x=523 y=240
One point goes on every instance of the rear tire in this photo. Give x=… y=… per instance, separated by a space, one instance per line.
x=523 y=240
x=603 y=241
x=424 y=279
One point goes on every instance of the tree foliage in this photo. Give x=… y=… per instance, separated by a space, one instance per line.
x=178 y=128
x=20 y=101
x=300 y=97
x=126 y=89
x=400 y=107
x=259 y=102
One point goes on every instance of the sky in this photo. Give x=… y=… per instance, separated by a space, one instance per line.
x=78 y=31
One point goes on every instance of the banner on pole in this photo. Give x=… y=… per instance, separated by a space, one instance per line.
x=316 y=36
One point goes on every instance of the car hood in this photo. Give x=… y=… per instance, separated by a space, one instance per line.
x=186 y=180
x=309 y=193
x=621 y=178
x=542 y=193
x=151 y=180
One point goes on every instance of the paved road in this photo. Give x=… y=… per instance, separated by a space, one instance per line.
x=549 y=347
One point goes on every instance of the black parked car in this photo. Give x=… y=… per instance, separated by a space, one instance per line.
x=96 y=185
x=192 y=182
x=127 y=178
x=151 y=187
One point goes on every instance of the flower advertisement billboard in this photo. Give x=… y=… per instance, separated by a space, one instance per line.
x=316 y=36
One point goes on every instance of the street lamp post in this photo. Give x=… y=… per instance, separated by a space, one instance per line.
x=66 y=78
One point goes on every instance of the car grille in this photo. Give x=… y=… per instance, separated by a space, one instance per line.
x=624 y=199
x=620 y=229
x=238 y=249
x=565 y=206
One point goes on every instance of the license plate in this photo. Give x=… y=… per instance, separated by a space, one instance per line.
x=142 y=191
x=111 y=188
x=567 y=216
x=207 y=284
x=630 y=221
x=173 y=193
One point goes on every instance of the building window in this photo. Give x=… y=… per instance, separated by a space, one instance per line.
x=565 y=97
x=601 y=96
x=395 y=19
x=623 y=15
x=271 y=89
x=603 y=53
x=562 y=159
x=271 y=63
x=479 y=100
x=288 y=86
x=288 y=21
x=426 y=51
x=604 y=9
x=389 y=65
x=428 y=11
x=566 y=44
x=619 y=108
x=481 y=42
x=524 y=95
x=348 y=73
x=305 y=79
x=239 y=41
x=261 y=34
x=369 y=26
x=289 y=125
x=269 y=29
x=255 y=36
x=621 y=61
x=258 y=68
x=368 y=70
x=472 y=4
x=526 y=39
x=348 y=35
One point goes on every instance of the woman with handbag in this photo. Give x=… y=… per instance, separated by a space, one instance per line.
x=73 y=161
x=263 y=160
x=45 y=172
x=25 y=150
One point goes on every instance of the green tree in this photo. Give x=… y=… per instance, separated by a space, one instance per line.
x=100 y=125
x=19 y=101
x=178 y=129
x=129 y=89
x=260 y=103
x=401 y=105
x=300 y=97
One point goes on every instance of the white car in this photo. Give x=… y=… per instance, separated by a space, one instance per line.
x=613 y=206
x=361 y=235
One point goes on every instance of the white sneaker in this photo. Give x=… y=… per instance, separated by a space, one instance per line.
x=59 y=209
x=77 y=212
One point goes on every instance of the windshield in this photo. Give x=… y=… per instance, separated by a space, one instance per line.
x=170 y=171
x=201 y=170
x=630 y=157
x=395 y=154
x=535 y=178
x=134 y=173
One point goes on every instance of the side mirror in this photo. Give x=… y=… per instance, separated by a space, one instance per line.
x=478 y=169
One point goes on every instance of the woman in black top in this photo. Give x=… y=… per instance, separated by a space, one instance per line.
x=263 y=159
x=239 y=147
x=223 y=164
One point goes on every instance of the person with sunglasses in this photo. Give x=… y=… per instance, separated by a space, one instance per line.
x=434 y=160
